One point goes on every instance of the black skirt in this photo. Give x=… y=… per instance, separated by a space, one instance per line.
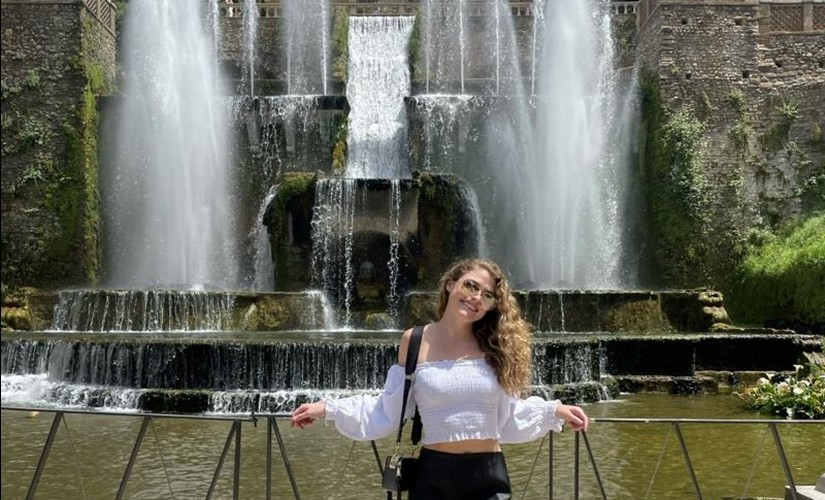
x=466 y=476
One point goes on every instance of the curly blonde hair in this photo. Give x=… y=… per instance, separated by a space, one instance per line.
x=503 y=335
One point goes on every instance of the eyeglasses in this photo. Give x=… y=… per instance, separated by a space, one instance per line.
x=473 y=289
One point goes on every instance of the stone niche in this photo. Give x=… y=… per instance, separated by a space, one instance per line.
x=346 y=230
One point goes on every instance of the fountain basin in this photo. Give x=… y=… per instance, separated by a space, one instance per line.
x=264 y=372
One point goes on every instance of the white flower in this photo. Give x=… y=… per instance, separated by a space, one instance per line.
x=798 y=390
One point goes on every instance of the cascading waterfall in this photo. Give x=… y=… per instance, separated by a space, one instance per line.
x=167 y=200
x=393 y=299
x=556 y=209
x=240 y=376
x=250 y=40
x=276 y=126
x=379 y=79
x=357 y=241
x=333 y=216
x=264 y=275
x=469 y=195
x=444 y=46
x=445 y=117
x=578 y=175
x=142 y=311
x=306 y=38
x=214 y=21
x=501 y=118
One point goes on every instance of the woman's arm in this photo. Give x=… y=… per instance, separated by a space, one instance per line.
x=575 y=417
x=524 y=420
x=363 y=417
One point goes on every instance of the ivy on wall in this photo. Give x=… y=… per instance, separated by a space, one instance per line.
x=677 y=191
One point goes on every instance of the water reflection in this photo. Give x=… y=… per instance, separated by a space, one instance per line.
x=178 y=457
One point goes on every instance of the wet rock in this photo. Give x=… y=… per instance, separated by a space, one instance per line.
x=16 y=318
x=379 y=321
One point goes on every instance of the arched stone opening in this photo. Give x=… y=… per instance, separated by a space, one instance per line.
x=380 y=279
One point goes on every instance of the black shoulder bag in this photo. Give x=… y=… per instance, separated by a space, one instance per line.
x=399 y=472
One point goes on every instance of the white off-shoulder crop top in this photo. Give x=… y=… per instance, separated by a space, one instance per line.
x=457 y=400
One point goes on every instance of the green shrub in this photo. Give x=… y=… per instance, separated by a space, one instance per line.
x=783 y=276
x=801 y=395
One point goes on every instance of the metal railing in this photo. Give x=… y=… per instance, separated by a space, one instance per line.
x=234 y=437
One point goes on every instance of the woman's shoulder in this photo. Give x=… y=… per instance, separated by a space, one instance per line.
x=405 y=343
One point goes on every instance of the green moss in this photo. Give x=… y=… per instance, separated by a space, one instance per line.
x=635 y=316
x=783 y=275
x=339 y=145
x=678 y=194
x=32 y=80
x=81 y=157
x=340 y=45
x=417 y=72
x=75 y=199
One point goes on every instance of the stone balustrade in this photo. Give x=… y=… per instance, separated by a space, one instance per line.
x=273 y=9
x=104 y=11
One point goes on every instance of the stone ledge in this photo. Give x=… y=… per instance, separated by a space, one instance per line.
x=657 y=384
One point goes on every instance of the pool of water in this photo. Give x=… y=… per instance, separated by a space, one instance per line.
x=635 y=460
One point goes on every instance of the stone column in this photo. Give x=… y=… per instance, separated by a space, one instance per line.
x=807 y=16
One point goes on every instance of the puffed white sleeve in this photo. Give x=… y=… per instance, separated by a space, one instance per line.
x=523 y=420
x=364 y=417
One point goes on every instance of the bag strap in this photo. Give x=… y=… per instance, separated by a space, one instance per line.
x=409 y=373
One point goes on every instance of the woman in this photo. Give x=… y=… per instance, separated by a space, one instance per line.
x=473 y=366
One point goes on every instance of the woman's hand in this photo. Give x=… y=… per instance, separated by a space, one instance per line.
x=308 y=413
x=574 y=416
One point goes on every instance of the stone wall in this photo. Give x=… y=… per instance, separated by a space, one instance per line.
x=747 y=77
x=56 y=56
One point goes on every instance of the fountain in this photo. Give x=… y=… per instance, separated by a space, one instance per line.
x=167 y=192
x=256 y=265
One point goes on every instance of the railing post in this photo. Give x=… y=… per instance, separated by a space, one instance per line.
x=550 y=467
x=377 y=458
x=780 y=450
x=593 y=463
x=44 y=455
x=576 y=467
x=212 y=484
x=236 y=481
x=687 y=460
x=269 y=458
x=132 y=458
x=286 y=460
